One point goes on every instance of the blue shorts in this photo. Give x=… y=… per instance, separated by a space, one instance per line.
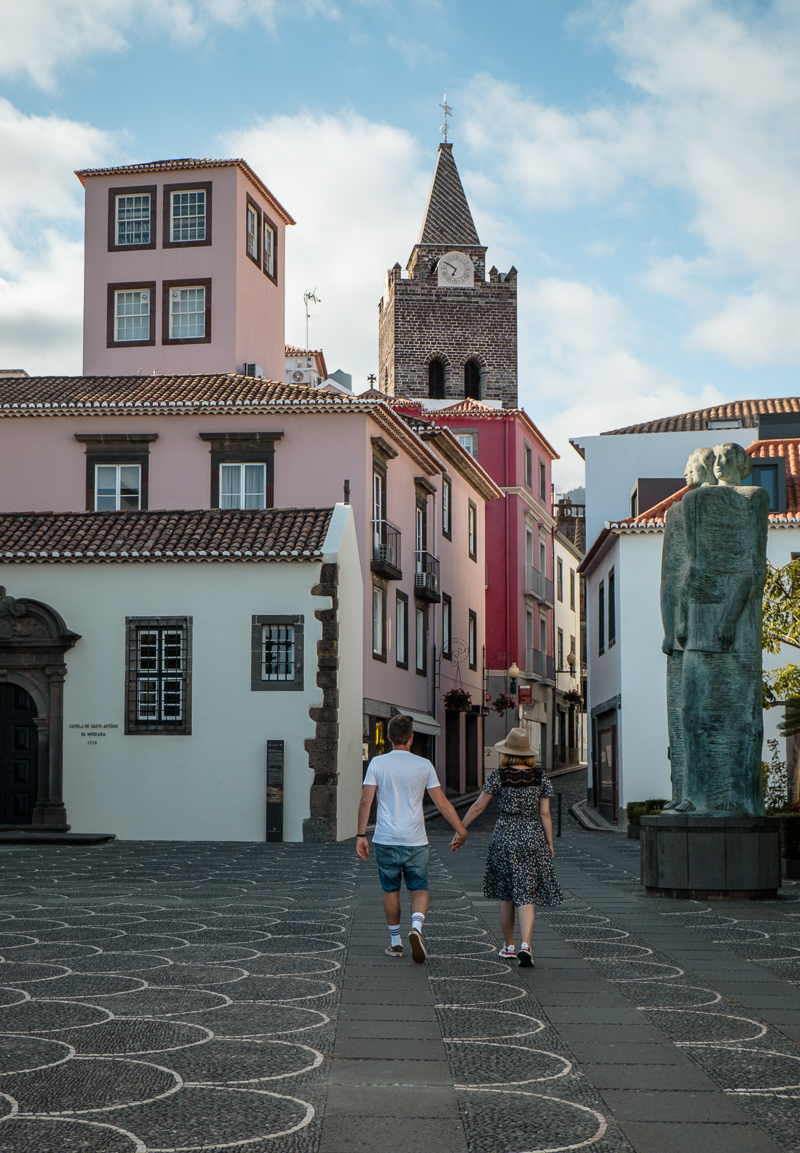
x=402 y=862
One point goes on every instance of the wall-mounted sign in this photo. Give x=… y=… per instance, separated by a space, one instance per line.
x=274 y=790
x=525 y=694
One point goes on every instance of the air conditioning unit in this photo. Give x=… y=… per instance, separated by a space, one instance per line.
x=427 y=580
x=386 y=553
x=254 y=370
x=298 y=377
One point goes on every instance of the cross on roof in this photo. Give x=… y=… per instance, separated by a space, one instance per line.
x=448 y=111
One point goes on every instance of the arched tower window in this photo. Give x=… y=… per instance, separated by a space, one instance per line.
x=436 y=380
x=472 y=380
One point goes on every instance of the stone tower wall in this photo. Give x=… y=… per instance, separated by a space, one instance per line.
x=420 y=321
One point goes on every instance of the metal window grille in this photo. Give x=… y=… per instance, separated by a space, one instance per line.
x=277 y=653
x=252 y=233
x=133 y=219
x=188 y=216
x=243 y=486
x=269 y=249
x=187 y=313
x=132 y=315
x=161 y=659
x=117 y=486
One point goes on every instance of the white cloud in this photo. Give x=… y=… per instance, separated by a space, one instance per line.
x=41 y=37
x=41 y=266
x=357 y=190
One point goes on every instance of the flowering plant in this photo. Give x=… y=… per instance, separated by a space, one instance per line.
x=457 y=700
x=573 y=697
x=503 y=702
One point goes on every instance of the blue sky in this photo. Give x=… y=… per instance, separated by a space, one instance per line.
x=636 y=160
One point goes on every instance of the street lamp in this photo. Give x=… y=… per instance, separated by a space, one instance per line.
x=513 y=674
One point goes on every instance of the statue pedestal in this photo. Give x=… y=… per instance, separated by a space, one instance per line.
x=705 y=858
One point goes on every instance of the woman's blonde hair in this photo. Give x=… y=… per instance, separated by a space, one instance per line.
x=507 y=761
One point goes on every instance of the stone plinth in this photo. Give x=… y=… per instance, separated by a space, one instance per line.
x=711 y=858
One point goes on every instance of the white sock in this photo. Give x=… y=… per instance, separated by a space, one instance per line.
x=395 y=931
x=417 y=921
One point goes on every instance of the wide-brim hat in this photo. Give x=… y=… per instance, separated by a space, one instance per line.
x=516 y=744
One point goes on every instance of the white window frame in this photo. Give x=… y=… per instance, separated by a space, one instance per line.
x=401 y=631
x=126 y=298
x=176 y=296
x=117 y=486
x=122 y=241
x=269 y=248
x=378 y=631
x=241 y=496
x=252 y=235
x=177 y=220
x=466 y=440
x=419 y=631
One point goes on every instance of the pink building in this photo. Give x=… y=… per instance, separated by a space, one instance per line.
x=184 y=267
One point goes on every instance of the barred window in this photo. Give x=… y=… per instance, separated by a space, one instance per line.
x=187 y=313
x=276 y=653
x=132 y=315
x=158 y=675
x=188 y=216
x=133 y=219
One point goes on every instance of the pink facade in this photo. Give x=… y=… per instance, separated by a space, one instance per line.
x=43 y=467
x=141 y=315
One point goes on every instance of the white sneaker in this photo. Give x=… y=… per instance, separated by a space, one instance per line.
x=508 y=951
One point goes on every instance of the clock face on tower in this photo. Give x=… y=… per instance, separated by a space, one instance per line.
x=456 y=270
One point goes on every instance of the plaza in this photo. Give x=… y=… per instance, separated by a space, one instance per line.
x=169 y=996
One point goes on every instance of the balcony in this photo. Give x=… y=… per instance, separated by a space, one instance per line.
x=537 y=585
x=386 y=550
x=426 y=577
x=539 y=664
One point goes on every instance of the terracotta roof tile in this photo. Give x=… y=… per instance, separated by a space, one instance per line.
x=748 y=411
x=200 y=535
x=295 y=350
x=184 y=165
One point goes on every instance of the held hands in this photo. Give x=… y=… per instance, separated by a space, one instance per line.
x=551 y=851
x=458 y=842
x=362 y=848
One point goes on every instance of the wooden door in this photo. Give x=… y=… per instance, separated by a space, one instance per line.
x=18 y=759
x=607 y=740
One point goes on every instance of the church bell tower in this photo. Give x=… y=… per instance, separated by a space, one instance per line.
x=445 y=331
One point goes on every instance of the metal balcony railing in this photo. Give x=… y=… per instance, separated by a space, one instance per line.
x=426 y=577
x=539 y=664
x=537 y=585
x=386 y=540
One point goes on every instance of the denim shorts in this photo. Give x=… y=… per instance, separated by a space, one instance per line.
x=402 y=862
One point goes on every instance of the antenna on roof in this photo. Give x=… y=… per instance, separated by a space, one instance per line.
x=308 y=297
x=448 y=111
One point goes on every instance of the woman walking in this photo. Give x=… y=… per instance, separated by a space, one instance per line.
x=519 y=871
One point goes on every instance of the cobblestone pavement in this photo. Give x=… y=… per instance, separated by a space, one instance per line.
x=160 y=997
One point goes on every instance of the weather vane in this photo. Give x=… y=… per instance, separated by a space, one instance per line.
x=448 y=111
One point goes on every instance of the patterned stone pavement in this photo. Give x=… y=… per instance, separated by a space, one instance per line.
x=164 y=997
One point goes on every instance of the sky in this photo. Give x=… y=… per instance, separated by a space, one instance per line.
x=637 y=162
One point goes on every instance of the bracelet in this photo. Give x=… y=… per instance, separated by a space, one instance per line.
x=361 y=835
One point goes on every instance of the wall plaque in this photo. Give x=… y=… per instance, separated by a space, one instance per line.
x=274 y=790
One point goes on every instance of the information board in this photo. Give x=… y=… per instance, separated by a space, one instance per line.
x=274 y=790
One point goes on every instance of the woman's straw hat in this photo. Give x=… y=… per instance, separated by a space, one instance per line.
x=516 y=744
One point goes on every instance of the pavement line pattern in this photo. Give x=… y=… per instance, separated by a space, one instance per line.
x=513 y=1073
x=168 y=998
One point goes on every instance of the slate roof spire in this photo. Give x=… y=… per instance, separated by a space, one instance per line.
x=448 y=220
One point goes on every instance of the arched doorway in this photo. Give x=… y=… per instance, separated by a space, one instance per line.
x=436 y=380
x=472 y=380
x=19 y=742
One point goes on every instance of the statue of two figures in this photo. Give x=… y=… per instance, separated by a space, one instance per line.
x=712 y=576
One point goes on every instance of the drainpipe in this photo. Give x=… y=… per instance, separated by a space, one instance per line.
x=507 y=550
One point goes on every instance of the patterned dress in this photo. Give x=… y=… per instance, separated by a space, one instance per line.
x=518 y=865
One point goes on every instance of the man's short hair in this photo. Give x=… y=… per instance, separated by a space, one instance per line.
x=401 y=729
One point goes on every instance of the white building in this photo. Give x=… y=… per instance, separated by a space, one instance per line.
x=569 y=735
x=196 y=647
x=626 y=704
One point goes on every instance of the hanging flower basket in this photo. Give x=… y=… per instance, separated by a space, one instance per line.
x=457 y=701
x=573 y=697
x=502 y=703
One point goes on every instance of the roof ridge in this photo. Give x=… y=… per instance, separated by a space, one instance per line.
x=447 y=218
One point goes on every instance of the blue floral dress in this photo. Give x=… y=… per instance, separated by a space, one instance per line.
x=518 y=865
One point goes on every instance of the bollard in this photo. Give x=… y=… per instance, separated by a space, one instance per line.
x=558 y=833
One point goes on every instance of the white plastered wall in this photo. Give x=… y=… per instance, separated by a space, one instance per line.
x=209 y=785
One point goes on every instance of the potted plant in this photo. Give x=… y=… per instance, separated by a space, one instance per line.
x=573 y=697
x=457 y=701
x=502 y=703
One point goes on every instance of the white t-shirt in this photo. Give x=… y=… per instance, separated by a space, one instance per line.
x=402 y=779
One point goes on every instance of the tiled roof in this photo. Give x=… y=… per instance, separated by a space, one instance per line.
x=294 y=350
x=188 y=164
x=448 y=220
x=748 y=411
x=200 y=535
x=469 y=405
x=473 y=408
x=221 y=393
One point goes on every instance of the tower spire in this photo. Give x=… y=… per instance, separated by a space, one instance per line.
x=448 y=219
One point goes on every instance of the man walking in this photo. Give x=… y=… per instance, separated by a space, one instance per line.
x=401 y=844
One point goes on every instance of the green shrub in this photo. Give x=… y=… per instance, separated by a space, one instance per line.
x=790 y=836
x=637 y=809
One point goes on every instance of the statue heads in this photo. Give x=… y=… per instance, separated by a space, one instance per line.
x=699 y=469
x=731 y=464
